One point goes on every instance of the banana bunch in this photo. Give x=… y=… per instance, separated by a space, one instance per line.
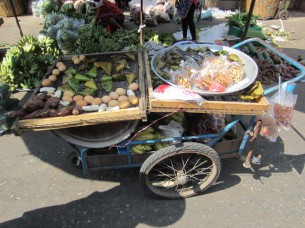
x=177 y=116
x=148 y=134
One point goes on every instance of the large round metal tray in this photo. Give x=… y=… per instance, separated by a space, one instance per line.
x=98 y=136
x=251 y=69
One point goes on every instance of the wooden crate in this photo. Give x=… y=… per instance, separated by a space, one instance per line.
x=93 y=118
x=213 y=107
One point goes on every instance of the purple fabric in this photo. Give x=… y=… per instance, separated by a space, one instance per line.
x=184 y=7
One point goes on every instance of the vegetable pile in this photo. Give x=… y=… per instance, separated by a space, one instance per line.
x=270 y=65
x=25 y=64
x=85 y=84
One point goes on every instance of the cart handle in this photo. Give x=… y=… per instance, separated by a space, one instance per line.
x=282 y=55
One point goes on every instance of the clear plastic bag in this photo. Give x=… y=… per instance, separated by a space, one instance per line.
x=269 y=127
x=282 y=105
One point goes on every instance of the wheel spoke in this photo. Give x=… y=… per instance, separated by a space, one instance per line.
x=195 y=166
x=184 y=164
x=165 y=175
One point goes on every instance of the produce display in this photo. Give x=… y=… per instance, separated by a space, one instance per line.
x=270 y=65
x=25 y=64
x=201 y=68
x=79 y=84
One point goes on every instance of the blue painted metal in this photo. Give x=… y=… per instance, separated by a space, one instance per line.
x=83 y=153
x=225 y=130
x=280 y=54
x=246 y=136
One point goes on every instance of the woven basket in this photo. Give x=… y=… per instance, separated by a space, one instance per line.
x=265 y=9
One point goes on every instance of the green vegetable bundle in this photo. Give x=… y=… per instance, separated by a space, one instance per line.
x=239 y=19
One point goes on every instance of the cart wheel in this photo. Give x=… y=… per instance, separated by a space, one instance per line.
x=180 y=172
x=75 y=160
x=284 y=15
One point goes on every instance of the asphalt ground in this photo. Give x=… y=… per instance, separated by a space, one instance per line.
x=40 y=189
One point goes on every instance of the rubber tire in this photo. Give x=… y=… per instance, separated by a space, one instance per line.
x=72 y=160
x=169 y=151
x=284 y=15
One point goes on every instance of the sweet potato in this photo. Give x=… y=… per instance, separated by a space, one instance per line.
x=52 y=102
x=42 y=113
x=65 y=111
x=53 y=112
x=31 y=115
x=33 y=105
x=77 y=110
x=19 y=113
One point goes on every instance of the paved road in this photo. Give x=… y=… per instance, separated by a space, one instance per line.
x=39 y=189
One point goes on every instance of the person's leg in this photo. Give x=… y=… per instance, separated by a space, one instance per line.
x=191 y=23
x=184 y=23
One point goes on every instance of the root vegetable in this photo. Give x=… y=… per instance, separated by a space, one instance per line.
x=102 y=108
x=81 y=103
x=77 y=98
x=65 y=111
x=33 y=105
x=47 y=89
x=67 y=99
x=82 y=58
x=52 y=102
x=42 y=113
x=74 y=57
x=97 y=101
x=106 y=99
x=133 y=100
x=68 y=93
x=46 y=82
x=124 y=104
x=56 y=72
x=114 y=95
x=62 y=68
x=133 y=86
x=76 y=61
x=77 y=110
x=90 y=108
x=113 y=103
x=52 y=112
x=89 y=99
x=120 y=91
x=19 y=113
x=122 y=98
x=59 y=64
x=52 y=78
x=31 y=115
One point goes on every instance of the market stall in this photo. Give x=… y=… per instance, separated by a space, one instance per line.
x=172 y=111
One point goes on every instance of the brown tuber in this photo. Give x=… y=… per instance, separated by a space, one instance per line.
x=65 y=111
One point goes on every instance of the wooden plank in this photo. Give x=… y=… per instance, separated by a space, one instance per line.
x=79 y=120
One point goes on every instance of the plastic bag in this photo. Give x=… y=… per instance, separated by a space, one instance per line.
x=269 y=128
x=202 y=124
x=162 y=17
x=282 y=105
x=168 y=92
x=150 y=18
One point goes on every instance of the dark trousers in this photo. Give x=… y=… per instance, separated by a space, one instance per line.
x=189 y=21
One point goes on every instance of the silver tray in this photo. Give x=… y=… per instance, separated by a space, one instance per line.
x=251 y=69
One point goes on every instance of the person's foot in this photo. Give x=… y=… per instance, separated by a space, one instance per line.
x=184 y=39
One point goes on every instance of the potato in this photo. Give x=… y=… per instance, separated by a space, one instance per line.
x=76 y=61
x=106 y=99
x=53 y=78
x=97 y=101
x=59 y=63
x=74 y=57
x=133 y=100
x=113 y=103
x=68 y=93
x=120 y=91
x=122 y=98
x=77 y=98
x=82 y=57
x=124 y=104
x=114 y=95
x=46 y=82
x=89 y=99
x=56 y=72
x=62 y=68
x=67 y=99
x=133 y=86
x=81 y=103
